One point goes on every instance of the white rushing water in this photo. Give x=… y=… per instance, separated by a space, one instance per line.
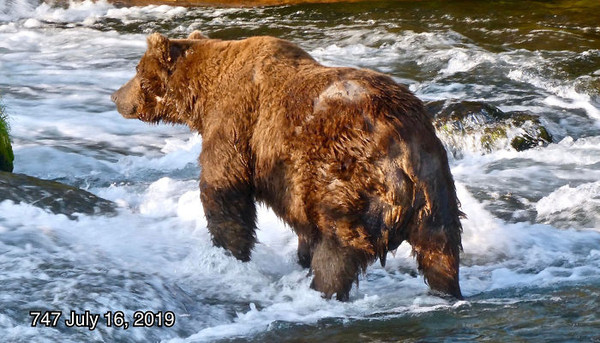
x=533 y=216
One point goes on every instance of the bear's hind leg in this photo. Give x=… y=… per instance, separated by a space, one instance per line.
x=231 y=217
x=439 y=266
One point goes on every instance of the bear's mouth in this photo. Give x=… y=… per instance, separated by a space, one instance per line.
x=130 y=114
x=127 y=111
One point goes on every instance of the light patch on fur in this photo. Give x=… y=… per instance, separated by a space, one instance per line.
x=159 y=99
x=340 y=90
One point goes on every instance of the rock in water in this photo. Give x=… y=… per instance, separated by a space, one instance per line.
x=477 y=126
x=6 y=153
x=52 y=196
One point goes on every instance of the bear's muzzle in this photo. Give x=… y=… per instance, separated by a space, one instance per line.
x=125 y=98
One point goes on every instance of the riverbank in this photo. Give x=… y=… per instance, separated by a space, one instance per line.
x=233 y=3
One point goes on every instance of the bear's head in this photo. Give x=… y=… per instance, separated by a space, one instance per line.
x=147 y=95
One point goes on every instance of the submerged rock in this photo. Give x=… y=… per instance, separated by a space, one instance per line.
x=52 y=196
x=480 y=127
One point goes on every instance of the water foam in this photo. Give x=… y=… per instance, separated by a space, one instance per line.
x=16 y=9
x=572 y=206
x=562 y=95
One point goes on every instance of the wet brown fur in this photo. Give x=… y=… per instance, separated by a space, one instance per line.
x=347 y=157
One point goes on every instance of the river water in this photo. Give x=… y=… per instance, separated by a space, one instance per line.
x=531 y=262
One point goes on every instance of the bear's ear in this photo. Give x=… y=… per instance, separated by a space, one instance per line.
x=159 y=46
x=197 y=35
x=165 y=50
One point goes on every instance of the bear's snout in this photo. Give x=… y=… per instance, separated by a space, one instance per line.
x=125 y=98
x=114 y=97
x=125 y=109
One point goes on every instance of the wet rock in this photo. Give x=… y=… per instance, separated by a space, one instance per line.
x=527 y=141
x=480 y=127
x=52 y=196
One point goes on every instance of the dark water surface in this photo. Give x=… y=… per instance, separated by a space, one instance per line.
x=531 y=261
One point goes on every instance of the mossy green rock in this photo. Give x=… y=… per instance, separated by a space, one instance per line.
x=52 y=196
x=527 y=141
x=6 y=152
x=487 y=126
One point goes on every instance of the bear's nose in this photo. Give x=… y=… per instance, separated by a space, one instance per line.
x=114 y=97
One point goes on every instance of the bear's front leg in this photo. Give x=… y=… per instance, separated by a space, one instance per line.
x=227 y=196
x=231 y=218
x=334 y=267
x=306 y=244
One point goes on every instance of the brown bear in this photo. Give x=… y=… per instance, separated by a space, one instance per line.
x=347 y=157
